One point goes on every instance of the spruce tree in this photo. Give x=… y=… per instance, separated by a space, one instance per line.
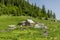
x=48 y=13
x=51 y=16
x=54 y=16
x=43 y=11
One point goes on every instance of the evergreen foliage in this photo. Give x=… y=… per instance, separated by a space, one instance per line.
x=22 y=7
x=43 y=11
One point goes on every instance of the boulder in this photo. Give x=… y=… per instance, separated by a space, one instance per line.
x=29 y=22
x=11 y=27
x=21 y=23
x=37 y=26
x=40 y=25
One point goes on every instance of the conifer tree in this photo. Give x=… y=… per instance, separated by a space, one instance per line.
x=51 y=16
x=54 y=16
x=48 y=13
x=22 y=7
x=43 y=11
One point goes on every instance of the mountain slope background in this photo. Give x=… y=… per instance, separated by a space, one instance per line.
x=22 y=7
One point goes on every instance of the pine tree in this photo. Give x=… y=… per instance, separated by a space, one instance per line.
x=43 y=11
x=54 y=16
x=48 y=13
x=51 y=14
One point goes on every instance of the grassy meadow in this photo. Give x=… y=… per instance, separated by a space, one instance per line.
x=28 y=33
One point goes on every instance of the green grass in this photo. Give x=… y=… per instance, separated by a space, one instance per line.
x=28 y=33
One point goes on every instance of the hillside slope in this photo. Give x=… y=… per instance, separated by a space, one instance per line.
x=22 y=7
x=29 y=33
